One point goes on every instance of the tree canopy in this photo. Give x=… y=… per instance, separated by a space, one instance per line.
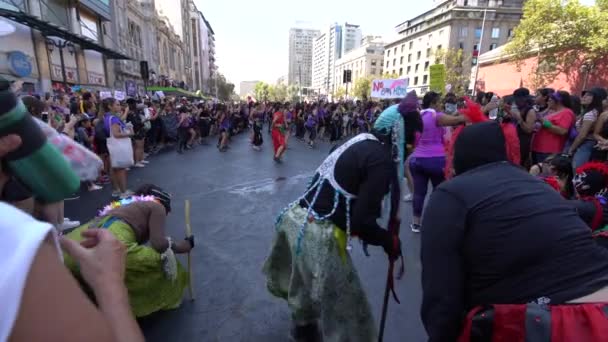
x=455 y=75
x=275 y=93
x=562 y=34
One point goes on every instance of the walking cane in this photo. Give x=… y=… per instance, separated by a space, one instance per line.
x=189 y=234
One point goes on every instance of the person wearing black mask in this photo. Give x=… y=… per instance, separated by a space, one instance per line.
x=478 y=249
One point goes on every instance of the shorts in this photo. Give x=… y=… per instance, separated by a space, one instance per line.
x=101 y=147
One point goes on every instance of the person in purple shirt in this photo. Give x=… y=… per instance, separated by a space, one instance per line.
x=116 y=128
x=428 y=159
x=311 y=126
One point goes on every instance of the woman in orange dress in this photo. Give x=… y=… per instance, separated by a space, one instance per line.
x=278 y=133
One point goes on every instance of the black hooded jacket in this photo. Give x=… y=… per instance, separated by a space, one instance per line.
x=496 y=235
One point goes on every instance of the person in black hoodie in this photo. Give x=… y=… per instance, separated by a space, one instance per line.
x=495 y=235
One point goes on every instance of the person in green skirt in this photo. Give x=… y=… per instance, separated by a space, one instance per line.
x=154 y=278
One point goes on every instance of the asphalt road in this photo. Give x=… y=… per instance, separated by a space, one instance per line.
x=235 y=198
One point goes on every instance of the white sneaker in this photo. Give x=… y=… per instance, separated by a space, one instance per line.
x=140 y=164
x=95 y=187
x=144 y=162
x=68 y=224
x=126 y=194
x=415 y=227
x=407 y=198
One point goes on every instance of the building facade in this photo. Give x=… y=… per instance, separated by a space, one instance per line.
x=451 y=24
x=177 y=14
x=329 y=46
x=365 y=61
x=300 y=56
x=56 y=45
x=171 y=66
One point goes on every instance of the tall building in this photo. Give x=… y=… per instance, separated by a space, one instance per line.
x=451 y=24
x=329 y=46
x=177 y=13
x=300 y=56
x=200 y=49
x=365 y=61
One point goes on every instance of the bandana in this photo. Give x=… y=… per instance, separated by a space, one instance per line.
x=126 y=201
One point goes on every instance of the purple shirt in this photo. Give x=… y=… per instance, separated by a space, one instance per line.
x=311 y=122
x=430 y=143
x=109 y=120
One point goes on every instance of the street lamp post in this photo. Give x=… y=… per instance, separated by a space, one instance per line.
x=483 y=26
x=60 y=44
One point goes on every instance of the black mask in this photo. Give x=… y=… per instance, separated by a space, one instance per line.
x=477 y=145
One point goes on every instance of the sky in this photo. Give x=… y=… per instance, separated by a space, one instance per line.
x=252 y=37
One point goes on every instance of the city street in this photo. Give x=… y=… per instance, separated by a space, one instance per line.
x=235 y=197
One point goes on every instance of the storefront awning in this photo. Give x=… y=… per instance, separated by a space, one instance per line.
x=52 y=30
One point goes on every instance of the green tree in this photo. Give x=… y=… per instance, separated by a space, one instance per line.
x=262 y=91
x=293 y=93
x=339 y=93
x=280 y=93
x=455 y=61
x=388 y=75
x=563 y=34
x=225 y=89
x=363 y=88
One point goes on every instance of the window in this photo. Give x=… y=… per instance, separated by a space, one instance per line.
x=373 y=71
x=493 y=46
x=425 y=79
x=510 y=34
x=373 y=62
x=402 y=47
x=426 y=65
x=478 y=32
x=428 y=52
x=418 y=55
x=409 y=58
x=400 y=71
x=387 y=62
x=441 y=32
x=394 y=61
x=395 y=50
x=430 y=37
x=411 y=45
x=401 y=60
x=409 y=68
x=416 y=68
x=495 y=32
x=388 y=53
x=461 y=45
x=475 y=47
x=464 y=31
x=438 y=47
x=56 y=12
x=416 y=80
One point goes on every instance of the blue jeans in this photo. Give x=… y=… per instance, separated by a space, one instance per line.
x=583 y=153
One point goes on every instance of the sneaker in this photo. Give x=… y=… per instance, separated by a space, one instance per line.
x=145 y=162
x=68 y=224
x=415 y=227
x=139 y=165
x=407 y=198
x=94 y=187
x=126 y=194
x=115 y=194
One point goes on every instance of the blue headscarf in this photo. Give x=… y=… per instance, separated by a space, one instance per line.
x=391 y=122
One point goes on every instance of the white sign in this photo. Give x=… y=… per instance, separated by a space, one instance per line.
x=119 y=95
x=390 y=88
x=105 y=94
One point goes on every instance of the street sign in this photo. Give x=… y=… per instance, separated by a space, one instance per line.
x=437 y=83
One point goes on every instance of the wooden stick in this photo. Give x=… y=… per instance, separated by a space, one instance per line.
x=188 y=234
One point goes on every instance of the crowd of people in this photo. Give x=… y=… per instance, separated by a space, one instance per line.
x=513 y=232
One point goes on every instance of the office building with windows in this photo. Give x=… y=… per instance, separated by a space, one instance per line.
x=451 y=24
x=365 y=61
x=329 y=46
x=300 y=56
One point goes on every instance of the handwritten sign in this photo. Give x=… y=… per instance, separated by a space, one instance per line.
x=119 y=95
x=105 y=94
x=390 y=88
x=437 y=83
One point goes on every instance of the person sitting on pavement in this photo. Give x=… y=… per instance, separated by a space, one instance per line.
x=495 y=235
x=154 y=278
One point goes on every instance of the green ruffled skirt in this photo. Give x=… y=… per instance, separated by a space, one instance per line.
x=149 y=289
x=320 y=282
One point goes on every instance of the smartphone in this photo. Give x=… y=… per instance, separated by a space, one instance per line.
x=45 y=117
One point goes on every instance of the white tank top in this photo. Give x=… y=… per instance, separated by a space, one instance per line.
x=20 y=237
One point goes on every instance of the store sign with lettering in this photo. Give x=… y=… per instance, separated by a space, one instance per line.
x=390 y=88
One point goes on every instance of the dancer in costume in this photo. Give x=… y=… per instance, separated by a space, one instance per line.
x=154 y=278
x=278 y=133
x=309 y=264
x=591 y=184
x=498 y=243
x=257 y=120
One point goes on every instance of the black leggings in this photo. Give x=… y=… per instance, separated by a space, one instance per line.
x=258 y=140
